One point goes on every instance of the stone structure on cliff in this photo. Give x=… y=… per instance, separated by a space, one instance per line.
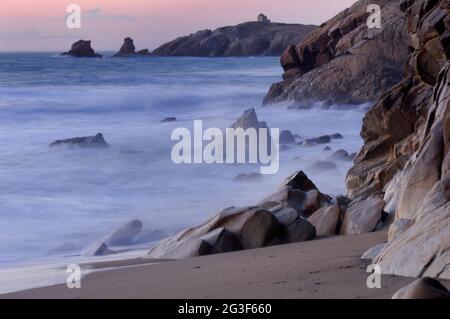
x=129 y=50
x=343 y=61
x=246 y=39
x=82 y=49
x=405 y=157
x=262 y=18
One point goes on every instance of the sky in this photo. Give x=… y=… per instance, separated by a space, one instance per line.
x=40 y=25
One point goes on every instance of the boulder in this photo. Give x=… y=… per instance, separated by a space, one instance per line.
x=325 y=139
x=182 y=249
x=423 y=288
x=325 y=220
x=287 y=138
x=248 y=120
x=323 y=166
x=98 y=249
x=278 y=219
x=251 y=227
x=82 y=49
x=169 y=119
x=299 y=181
x=143 y=52
x=300 y=193
x=222 y=241
x=423 y=249
x=125 y=235
x=96 y=141
x=286 y=216
x=341 y=155
x=298 y=231
x=373 y=252
x=362 y=216
x=259 y=230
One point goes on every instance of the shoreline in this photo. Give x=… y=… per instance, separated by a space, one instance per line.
x=323 y=268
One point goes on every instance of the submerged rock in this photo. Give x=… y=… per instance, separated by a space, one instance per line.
x=82 y=49
x=249 y=120
x=324 y=139
x=246 y=178
x=317 y=140
x=125 y=235
x=323 y=166
x=341 y=155
x=169 y=119
x=287 y=138
x=99 y=249
x=87 y=142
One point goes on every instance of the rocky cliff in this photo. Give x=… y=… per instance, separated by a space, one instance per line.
x=343 y=61
x=246 y=39
x=405 y=157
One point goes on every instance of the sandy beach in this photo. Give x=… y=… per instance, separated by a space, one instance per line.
x=323 y=268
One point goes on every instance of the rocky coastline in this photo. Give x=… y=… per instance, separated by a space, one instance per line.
x=246 y=39
x=343 y=61
x=399 y=181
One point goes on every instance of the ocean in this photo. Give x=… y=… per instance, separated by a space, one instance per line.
x=56 y=202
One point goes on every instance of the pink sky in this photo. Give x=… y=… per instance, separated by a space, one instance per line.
x=39 y=25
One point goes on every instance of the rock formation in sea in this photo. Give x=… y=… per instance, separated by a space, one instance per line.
x=343 y=61
x=129 y=50
x=82 y=49
x=405 y=158
x=97 y=141
x=246 y=39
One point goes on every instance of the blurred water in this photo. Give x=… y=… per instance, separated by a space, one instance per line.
x=62 y=200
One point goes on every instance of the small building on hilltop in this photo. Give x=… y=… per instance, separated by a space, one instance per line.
x=262 y=18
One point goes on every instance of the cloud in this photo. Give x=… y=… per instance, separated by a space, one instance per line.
x=98 y=15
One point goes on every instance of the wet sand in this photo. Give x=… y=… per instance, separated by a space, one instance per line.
x=323 y=268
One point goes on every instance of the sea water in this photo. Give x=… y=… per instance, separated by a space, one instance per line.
x=56 y=202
